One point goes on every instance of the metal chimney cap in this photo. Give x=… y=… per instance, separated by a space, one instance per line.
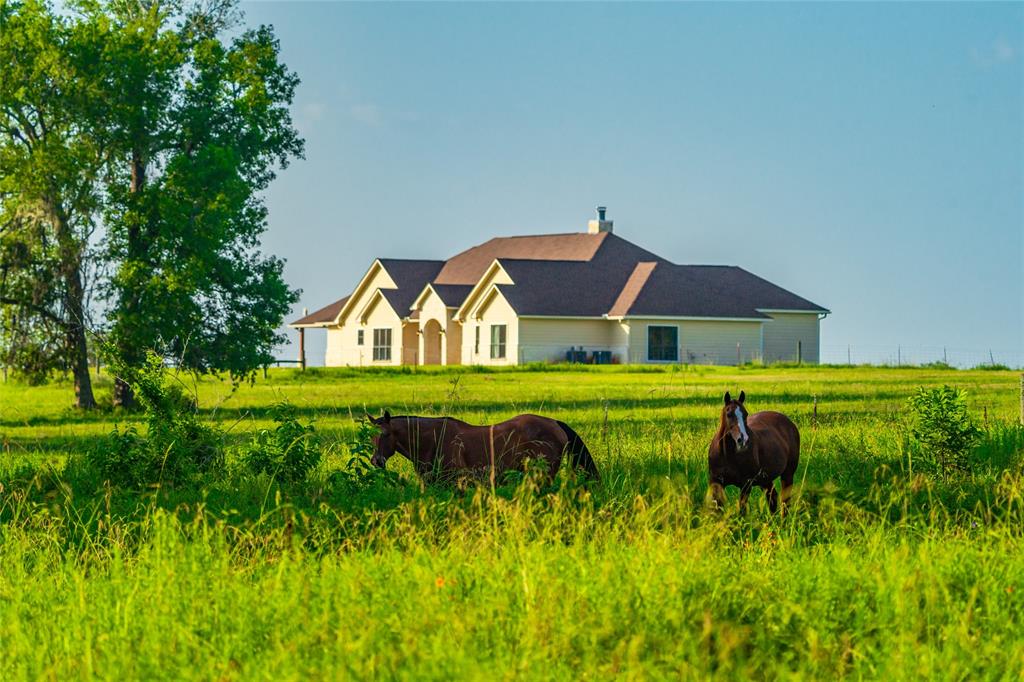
x=601 y=211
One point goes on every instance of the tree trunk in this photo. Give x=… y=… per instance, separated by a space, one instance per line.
x=124 y=396
x=76 y=341
x=74 y=309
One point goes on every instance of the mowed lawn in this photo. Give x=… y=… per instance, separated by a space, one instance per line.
x=880 y=571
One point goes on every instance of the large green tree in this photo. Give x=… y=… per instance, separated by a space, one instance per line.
x=198 y=124
x=49 y=165
x=183 y=126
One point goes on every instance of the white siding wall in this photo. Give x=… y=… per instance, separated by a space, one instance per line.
x=547 y=340
x=702 y=342
x=783 y=332
x=714 y=343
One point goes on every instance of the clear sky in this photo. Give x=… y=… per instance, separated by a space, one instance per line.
x=869 y=157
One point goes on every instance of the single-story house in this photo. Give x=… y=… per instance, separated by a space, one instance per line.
x=584 y=296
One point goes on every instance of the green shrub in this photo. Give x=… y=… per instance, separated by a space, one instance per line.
x=288 y=452
x=177 y=446
x=359 y=473
x=943 y=428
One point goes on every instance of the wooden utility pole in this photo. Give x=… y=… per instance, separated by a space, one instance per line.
x=302 y=343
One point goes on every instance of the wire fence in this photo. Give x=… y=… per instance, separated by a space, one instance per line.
x=899 y=355
x=880 y=355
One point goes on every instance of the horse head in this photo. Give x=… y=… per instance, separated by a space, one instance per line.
x=734 y=421
x=384 y=442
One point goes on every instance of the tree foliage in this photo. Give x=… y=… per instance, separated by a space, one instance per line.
x=185 y=179
x=164 y=132
x=49 y=166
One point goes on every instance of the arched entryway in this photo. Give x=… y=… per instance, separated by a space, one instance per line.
x=432 y=343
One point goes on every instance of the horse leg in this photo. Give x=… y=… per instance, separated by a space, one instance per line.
x=772 y=496
x=718 y=495
x=744 y=494
x=787 y=489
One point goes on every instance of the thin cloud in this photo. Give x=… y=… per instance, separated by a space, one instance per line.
x=367 y=114
x=999 y=51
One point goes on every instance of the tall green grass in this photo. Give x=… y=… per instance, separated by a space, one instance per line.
x=879 y=571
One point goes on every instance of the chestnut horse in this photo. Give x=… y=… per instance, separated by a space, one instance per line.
x=750 y=450
x=445 y=447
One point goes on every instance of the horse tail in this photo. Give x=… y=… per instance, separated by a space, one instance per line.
x=579 y=455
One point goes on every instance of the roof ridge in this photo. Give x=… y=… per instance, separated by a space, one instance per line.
x=632 y=288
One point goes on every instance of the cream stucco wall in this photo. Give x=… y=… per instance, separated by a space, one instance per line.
x=494 y=310
x=433 y=309
x=368 y=310
x=785 y=330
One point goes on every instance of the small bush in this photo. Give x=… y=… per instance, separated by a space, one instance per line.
x=943 y=428
x=177 y=446
x=359 y=472
x=288 y=452
x=992 y=367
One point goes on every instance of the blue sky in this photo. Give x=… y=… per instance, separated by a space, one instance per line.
x=869 y=157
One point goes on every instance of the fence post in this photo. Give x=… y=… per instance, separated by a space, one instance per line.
x=899 y=356
x=848 y=355
x=815 y=422
x=799 y=352
x=737 y=355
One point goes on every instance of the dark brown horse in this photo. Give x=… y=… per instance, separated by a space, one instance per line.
x=443 y=447
x=750 y=450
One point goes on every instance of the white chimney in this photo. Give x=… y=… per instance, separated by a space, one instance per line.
x=599 y=225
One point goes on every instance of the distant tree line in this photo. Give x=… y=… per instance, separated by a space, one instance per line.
x=136 y=138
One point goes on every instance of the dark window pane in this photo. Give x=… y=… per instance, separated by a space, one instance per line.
x=663 y=343
x=498 y=335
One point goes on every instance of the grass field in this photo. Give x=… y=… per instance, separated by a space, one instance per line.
x=880 y=571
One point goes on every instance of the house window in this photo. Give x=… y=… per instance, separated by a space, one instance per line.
x=476 y=342
x=359 y=337
x=498 y=336
x=663 y=343
x=381 y=344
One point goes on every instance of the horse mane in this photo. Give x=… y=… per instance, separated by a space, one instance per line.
x=412 y=416
x=719 y=438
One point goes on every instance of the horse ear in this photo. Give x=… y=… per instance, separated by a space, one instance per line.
x=386 y=418
x=743 y=396
x=728 y=398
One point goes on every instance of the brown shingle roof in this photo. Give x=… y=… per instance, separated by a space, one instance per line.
x=584 y=275
x=632 y=289
x=452 y=295
x=410 y=276
x=325 y=315
x=711 y=291
x=468 y=266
